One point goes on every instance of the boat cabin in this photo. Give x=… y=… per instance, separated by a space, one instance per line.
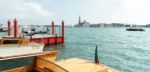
x=13 y=41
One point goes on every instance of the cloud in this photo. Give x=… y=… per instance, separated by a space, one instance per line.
x=136 y=11
x=36 y=8
x=124 y=11
x=26 y=12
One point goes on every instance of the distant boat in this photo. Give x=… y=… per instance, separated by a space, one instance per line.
x=135 y=29
x=3 y=28
x=34 y=32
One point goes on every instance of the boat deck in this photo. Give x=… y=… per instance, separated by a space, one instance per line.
x=82 y=65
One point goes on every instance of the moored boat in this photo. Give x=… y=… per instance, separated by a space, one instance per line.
x=47 y=63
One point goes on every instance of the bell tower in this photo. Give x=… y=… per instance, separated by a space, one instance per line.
x=79 y=20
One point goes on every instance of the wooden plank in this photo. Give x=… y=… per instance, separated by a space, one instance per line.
x=25 y=55
x=48 y=65
x=20 y=69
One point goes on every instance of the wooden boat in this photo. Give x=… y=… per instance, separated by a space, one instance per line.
x=11 y=46
x=47 y=63
x=82 y=65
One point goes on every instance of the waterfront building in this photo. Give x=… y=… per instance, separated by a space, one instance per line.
x=101 y=25
x=117 y=25
x=82 y=24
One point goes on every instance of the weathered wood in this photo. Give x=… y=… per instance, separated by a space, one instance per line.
x=22 y=41
x=48 y=65
x=20 y=69
x=50 y=56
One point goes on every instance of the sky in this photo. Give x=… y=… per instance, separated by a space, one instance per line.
x=43 y=12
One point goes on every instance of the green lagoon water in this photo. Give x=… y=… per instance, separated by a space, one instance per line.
x=124 y=50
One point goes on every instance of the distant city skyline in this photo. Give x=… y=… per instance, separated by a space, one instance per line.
x=94 y=11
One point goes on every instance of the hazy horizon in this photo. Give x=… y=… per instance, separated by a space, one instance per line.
x=94 y=11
